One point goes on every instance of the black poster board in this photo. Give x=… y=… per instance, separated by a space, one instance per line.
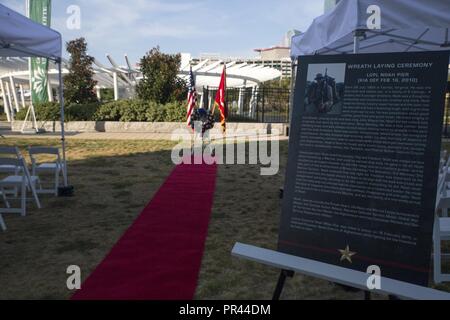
x=364 y=152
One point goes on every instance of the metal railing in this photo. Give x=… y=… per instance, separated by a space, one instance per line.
x=265 y=105
x=271 y=105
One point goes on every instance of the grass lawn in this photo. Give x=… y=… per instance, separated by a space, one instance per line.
x=113 y=182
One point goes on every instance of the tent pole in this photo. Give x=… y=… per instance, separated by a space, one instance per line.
x=63 y=137
x=356 y=42
x=357 y=35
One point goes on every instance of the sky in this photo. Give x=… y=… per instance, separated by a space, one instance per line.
x=226 y=27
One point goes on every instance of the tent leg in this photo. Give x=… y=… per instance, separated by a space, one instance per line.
x=24 y=124
x=357 y=35
x=63 y=137
x=356 y=43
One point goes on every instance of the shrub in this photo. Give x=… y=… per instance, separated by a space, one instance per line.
x=155 y=112
x=80 y=112
x=50 y=111
x=138 y=110
x=123 y=110
x=111 y=111
x=134 y=110
x=174 y=112
x=21 y=114
x=46 y=111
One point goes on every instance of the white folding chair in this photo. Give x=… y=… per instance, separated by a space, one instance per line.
x=21 y=182
x=55 y=168
x=9 y=152
x=441 y=230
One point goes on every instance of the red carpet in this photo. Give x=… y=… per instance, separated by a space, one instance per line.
x=159 y=256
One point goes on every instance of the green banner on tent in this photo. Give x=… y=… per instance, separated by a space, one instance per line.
x=39 y=11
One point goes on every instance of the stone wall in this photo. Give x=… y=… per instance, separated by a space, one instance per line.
x=147 y=127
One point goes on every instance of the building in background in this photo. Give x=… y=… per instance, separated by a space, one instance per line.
x=330 y=4
x=277 y=57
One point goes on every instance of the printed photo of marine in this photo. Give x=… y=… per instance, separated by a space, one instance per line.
x=325 y=89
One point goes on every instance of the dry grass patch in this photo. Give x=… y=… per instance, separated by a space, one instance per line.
x=113 y=182
x=247 y=209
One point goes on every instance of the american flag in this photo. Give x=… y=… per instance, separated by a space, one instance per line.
x=192 y=97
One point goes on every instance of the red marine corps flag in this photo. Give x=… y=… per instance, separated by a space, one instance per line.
x=220 y=100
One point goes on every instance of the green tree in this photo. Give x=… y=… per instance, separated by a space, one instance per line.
x=79 y=83
x=160 y=82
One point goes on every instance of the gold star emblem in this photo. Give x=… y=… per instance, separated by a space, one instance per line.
x=347 y=254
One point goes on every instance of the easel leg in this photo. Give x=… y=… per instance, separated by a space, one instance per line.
x=280 y=284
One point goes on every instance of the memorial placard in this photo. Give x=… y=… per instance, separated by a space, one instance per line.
x=363 y=162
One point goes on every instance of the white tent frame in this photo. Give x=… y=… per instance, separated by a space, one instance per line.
x=398 y=25
x=408 y=42
x=18 y=49
x=362 y=34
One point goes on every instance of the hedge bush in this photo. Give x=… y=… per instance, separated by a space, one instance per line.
x=135 y=110
x=138 y=110
x=77 y=112
x=174 y=112
x=122 y=110
x=111 y=111
x=48 y=111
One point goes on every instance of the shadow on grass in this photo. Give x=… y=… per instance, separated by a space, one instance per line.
x=247 y=209
x=114 y=180
x=110 y=192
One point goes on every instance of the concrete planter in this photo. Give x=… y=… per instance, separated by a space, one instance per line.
x=143 y=127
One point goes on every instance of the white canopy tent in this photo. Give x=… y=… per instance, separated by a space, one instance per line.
x=376 y=26
x=22 y=37
x=371 y=26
